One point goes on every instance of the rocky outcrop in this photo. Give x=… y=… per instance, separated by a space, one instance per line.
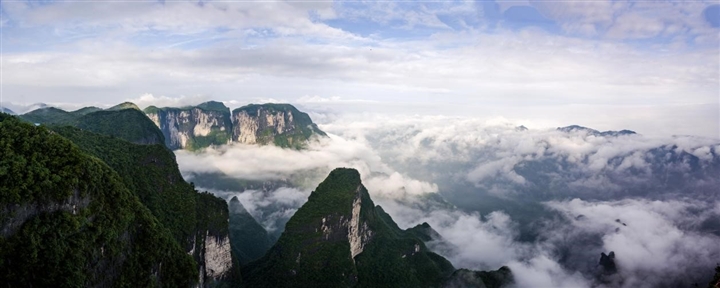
x=18 y=214
x=279 y=124
x=193 y=127
x=211 y=123
x=211 y=246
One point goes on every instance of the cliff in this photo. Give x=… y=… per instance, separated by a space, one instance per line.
x=193 y=127
x=340 y=238
x=279 y=124
x=212 y=123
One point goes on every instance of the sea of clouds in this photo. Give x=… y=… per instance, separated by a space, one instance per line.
x=650 y=200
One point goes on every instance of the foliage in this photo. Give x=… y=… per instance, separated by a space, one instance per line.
x=296 y=138
x=304 y=255
x=128 y=124
x=249 y=239
x=107 y=237
x=148 y=170
x=50 y=115
x=123 y=106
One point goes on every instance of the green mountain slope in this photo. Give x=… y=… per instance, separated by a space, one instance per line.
x=339 y=238
x=249 y=239
x=68 y=220
x=124 y=121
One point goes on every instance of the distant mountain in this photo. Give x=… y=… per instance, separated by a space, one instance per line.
x=340 y=238
x=124 y=121
x=193 y=127
x=249 y=239
x=123 y=106
x=7 y=111
x=212 y=123
x=577 y=128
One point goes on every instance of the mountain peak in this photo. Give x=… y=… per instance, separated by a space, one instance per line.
x=590 y=131
x=124 y=105
x=340 y=238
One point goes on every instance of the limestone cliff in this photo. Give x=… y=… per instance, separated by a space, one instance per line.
x=279 y=124
x=211 y=123
x=211 y=243
x=193 y=127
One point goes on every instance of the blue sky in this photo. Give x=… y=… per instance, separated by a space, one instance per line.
x=640 y=65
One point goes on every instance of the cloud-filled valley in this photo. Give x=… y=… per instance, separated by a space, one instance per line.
x=543 y=202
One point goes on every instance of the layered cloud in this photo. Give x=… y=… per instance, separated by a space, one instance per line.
x=506 y=189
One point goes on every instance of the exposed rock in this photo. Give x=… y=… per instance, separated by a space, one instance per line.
x=607 y=262
x=18 y=214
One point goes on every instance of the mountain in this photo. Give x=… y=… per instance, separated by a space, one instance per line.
x=7 y=111
x=152 y=173
x=340 y=238
x=212 y=123
x=249 y=239
x=193 y=127
x=68 y=220
x=124 y=121
x=123 y=106
x=590 y=131
x=279 y=124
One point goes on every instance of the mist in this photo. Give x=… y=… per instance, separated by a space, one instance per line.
x=543 y=202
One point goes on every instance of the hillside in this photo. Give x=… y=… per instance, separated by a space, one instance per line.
x=151 y=172
x=68 y=220
x=339 y=238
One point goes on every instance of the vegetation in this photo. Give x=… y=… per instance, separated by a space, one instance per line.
x=296 y=138
x=307 y=254
x=68 y=220
x=249 y=239
x=148 y=170
x=128 y=124
x=124 y=121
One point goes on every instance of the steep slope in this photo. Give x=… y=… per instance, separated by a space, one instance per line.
x=69 y=221
x=212 y=123
x=193 y=127
x=339 y=238
x=249 y=239
x=151 y=172
x=279 y=124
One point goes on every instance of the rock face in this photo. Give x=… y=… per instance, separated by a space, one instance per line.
x=279 y=124
x=193 y=127
x=211 y=246
x=340 y=238
x=211 y=123
x=607 y=263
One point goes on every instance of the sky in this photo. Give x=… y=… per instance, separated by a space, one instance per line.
x=652 y=67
